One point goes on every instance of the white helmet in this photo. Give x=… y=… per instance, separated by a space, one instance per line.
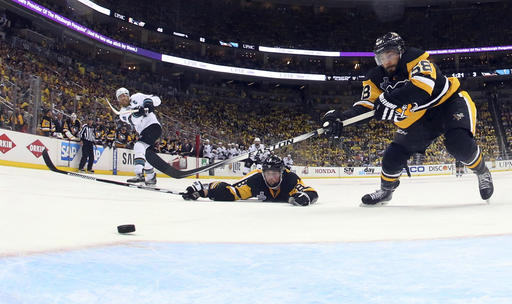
x=122 y=91
x=257 y=139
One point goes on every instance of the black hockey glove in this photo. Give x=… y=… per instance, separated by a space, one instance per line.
x=194 y=192
x=148 y=104
x=332 y=123
x=300 y=199
x=384 y=110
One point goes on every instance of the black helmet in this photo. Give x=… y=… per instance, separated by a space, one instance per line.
x=275 y=164
x=390 y=41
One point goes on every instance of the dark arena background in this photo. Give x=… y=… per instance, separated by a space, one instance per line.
x=228 y=72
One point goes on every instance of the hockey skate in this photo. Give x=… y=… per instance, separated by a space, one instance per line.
x=139 y=178
x=485 y=184
x=377 y=198
x=151 y=181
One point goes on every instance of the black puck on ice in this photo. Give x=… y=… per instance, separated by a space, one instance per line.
x=126 y=228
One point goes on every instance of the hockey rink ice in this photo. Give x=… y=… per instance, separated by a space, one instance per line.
x=435 y=242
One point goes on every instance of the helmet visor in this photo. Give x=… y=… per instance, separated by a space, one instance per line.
x=387 y=55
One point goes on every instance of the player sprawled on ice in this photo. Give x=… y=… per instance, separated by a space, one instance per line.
x=271 y=183
x=410 y=91
x=146 y=124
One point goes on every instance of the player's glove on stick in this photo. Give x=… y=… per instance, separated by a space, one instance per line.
x=148 y=105
x=384 y=110
x=332 y=123
x=195 y=191
x=300 y=199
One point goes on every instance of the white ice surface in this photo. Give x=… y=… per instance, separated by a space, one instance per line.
x=42 y=211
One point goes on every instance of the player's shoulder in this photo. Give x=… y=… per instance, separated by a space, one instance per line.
x=414 y=55
x=289 y=175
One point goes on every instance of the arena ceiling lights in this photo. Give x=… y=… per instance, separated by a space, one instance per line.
x=95 y=7
x=41 y=10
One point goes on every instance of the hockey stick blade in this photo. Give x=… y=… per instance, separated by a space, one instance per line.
x=51 y=166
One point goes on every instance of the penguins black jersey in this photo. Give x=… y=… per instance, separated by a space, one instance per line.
x=416 y=86
x=253 y=185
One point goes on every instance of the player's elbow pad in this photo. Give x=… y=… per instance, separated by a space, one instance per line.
x=221 y=192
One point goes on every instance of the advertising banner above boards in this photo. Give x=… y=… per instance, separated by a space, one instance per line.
x=24 y=150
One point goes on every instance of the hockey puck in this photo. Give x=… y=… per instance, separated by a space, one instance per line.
x=126 y=228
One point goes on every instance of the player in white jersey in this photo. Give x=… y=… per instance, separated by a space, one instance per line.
x=146 y=124
x=288 y=162
x=255 y=158
x=208 y=150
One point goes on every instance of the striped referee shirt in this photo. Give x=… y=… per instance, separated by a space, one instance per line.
x=87 y=133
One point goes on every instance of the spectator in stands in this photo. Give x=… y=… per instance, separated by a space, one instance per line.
x=47 y=128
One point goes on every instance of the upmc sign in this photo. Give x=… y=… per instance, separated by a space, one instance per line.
x=6 y=144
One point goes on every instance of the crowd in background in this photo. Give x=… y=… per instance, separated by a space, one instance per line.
x=230 y=114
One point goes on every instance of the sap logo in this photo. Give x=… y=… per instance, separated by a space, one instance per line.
x=68 y=150
x=325 y=170
x=98 y=151
x=417 y=169
x=127 y=158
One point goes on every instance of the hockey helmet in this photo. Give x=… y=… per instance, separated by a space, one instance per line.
x=122 y=91
x=272 y=170
x=390 y=41
x=257 y=139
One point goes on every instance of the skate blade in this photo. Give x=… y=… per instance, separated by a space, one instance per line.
x=380 y=204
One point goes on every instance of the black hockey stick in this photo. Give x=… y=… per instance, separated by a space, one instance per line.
x=51 y=166
x=164 y=167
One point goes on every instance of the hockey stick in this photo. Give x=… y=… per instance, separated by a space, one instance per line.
x=164 y=167
x=119 y=112
x=51 y=166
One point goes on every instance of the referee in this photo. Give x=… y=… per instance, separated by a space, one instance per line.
x=86 y=135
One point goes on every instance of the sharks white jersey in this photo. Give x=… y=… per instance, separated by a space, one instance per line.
x=140 y=122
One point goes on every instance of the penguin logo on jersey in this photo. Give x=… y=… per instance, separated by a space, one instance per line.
x=387 y=86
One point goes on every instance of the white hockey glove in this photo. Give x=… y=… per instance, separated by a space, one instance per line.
x=384 y=110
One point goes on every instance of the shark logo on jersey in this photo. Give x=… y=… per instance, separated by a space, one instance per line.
x=388 y=86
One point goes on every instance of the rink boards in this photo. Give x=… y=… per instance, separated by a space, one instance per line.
x=25 y=150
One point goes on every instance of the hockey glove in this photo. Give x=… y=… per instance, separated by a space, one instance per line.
x=195 y=191
x=300 y=199
x=148 y=105
x=384 y=110
x=332 y=124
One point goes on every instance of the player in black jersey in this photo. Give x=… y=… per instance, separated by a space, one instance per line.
x=271 y=183
x=409 y=90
